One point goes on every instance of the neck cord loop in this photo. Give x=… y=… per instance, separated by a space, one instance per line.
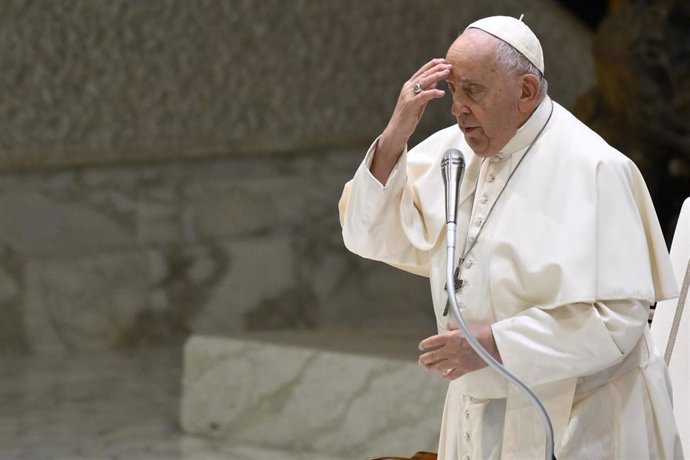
x=465 y=250
x=463 y=253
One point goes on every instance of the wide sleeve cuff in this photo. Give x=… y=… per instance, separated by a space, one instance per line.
x=393 y=177
x=540 y=346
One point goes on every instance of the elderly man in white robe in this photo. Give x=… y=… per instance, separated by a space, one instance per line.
x=561 y=257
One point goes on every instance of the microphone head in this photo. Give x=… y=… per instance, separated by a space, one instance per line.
x=452 y=169
x=453 y=157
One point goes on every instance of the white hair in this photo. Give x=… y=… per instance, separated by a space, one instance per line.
x=511 y=60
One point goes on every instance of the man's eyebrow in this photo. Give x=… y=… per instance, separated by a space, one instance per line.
x=465 y=82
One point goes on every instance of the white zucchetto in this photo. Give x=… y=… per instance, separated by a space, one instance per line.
x=516 y=34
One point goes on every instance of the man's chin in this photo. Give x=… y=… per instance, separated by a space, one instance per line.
x=479 y=149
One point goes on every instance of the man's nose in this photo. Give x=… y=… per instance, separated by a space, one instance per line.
x=459 y=108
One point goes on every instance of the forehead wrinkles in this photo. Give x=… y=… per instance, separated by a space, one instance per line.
x=476 y=42
x=473 y=57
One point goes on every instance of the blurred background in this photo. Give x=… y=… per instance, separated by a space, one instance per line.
x=173 y=282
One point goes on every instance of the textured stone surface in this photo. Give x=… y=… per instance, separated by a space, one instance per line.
x=84 y=303
x=124 y=80
x=99 y=256
x=117 y=256
x=107 y=405
x=311 y=399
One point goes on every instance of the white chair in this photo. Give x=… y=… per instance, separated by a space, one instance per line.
x=679 y=364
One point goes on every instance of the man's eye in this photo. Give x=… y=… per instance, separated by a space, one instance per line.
x=473 y=91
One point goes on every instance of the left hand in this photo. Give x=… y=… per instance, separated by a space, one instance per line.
x=451 y=355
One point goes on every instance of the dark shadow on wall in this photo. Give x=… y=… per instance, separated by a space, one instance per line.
x=641 y=104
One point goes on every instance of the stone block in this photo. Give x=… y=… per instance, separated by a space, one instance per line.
x=341 y=393
x=116 y=299
x=125 y=80
x=220 y=209
x=259 y=269
x=87 y=303
x=37 y=221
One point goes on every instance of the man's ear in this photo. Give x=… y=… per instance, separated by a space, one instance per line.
x=529 y=94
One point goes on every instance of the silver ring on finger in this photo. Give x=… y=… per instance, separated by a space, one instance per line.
x=417 y=88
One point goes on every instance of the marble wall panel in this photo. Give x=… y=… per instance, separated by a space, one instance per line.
x=40 y=222
x=222 y=209
x=305 y=399
x=105 y=257
x=84 y=303
x=116 y=299
x=364 y=294
x=158 y=219
x=260 y=272
x=12 y=333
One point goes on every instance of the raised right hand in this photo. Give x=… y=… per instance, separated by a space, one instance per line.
x=407 y=114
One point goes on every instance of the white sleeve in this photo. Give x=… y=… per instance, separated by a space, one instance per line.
x=574 y=340
x=374 y=217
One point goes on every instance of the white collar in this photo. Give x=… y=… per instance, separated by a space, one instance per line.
x=528 y=131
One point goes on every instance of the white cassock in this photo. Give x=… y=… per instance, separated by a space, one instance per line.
x=679 y=367
x=565 y=269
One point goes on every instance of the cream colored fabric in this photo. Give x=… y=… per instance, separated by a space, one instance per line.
x=568 y=263
x=679 y=367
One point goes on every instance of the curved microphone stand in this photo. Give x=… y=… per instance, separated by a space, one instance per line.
x=452 y=167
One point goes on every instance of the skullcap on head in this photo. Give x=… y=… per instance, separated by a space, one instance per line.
x=516 y=34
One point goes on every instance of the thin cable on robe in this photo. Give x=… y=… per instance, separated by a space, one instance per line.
x=488 y=359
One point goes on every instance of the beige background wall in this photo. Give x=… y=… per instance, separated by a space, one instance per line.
x=172 y=167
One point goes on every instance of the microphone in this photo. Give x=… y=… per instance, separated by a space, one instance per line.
x=452 y=169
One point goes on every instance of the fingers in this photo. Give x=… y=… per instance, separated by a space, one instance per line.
x=448 y=369
x=436 y=341
x=445 y=354
x=433 y=341
x=427 y=77
x=437 y=357
x=435 y=363
x=431 y=359
x=426 y=67
x=412 y=103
